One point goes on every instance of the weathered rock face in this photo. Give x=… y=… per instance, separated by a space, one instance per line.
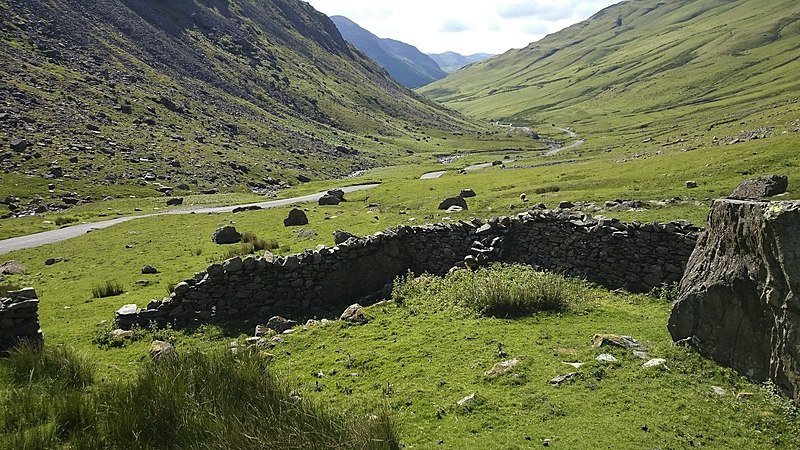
x=766 y=186
x=738 y=300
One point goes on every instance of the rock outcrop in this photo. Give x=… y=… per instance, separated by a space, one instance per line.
x=738 y=300
x=766 y=186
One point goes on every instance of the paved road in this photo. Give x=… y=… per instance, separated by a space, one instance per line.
x=62 y=234
x=575 y=144
x=432 y=175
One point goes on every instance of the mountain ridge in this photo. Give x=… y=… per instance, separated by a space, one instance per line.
x=646 y=60
x=452 y=61
x=122 y=95
x=404 y=62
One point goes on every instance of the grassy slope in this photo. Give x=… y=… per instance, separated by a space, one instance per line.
x=268 y=86
x=688 y=63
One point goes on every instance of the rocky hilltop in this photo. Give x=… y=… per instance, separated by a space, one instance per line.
x=121 y=96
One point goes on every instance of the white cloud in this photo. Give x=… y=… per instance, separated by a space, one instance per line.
x=464 y=26
x=454 y=26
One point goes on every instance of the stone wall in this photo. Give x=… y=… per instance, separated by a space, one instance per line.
x=324 y=281
x=19 y=319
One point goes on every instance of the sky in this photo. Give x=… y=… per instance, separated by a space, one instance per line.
x=463 y=26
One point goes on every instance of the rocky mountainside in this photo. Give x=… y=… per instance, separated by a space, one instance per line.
x=126 y=96
x=404 y=62
x=639 y=62
x=452 y=61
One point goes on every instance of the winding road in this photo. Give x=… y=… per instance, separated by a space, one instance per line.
x=62 y=234
x=547 y=154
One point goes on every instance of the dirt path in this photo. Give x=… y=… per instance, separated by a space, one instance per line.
x=52 y=236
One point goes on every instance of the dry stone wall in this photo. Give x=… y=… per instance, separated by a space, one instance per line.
x=323 y=282
x=19 y=319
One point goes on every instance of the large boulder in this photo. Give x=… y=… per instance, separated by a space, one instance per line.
x=226 y=235
x=453 y=201
x=766 y=186
x=12 y=268
x=296 y=218
x=329 y=200
x=739 y=299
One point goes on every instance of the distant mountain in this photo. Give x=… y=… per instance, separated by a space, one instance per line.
x=405 y=63
x=452 y=61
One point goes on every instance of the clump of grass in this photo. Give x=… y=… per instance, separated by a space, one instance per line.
x=665 y=292
x=499 y=290
x=546 y=189
x=53 y=365
x=109 y=289
x=65 y=220
x=249 y=245
x=208 y=401
x=258 y=243
x=5 y=288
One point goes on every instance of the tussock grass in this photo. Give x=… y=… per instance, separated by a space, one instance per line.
x=52 y=365
x=500 y=290
x=196 y=401
x=109 y=289
x=249 y=245
x=65 y=220
x=546 y=189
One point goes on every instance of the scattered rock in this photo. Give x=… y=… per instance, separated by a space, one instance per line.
x=467 y=193
x=691 y=184
x=655 y=362
x=246 y=208
x=306 y=234
x=50 y=261
x=454 y=209
x=19 y=145
x=600 y=340
x=466 y=400
x=562 y=378
x=606 y=357
x=640 y=355
x=147 y=269
x=574 y=365
x=12 y=268
x=718 y=390
x=279 y=324
x=175 y=201
x=121 y=334
x=503 y=367
x=296 y=218
x=338 y=193
x=160 y=351
x=453 y=201
x=766 y=186
x=226 y=235
x=744 y=395
x=340 y=236
x=303 y=179
x=354 y=314
x=566 y=205
x=329 y=200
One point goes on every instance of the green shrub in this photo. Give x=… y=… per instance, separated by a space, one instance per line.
x=64 y=220
x=109 y=289
x=5 y=288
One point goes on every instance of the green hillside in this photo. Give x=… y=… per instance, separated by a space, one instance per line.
x=119 y=97
x=685 y=64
